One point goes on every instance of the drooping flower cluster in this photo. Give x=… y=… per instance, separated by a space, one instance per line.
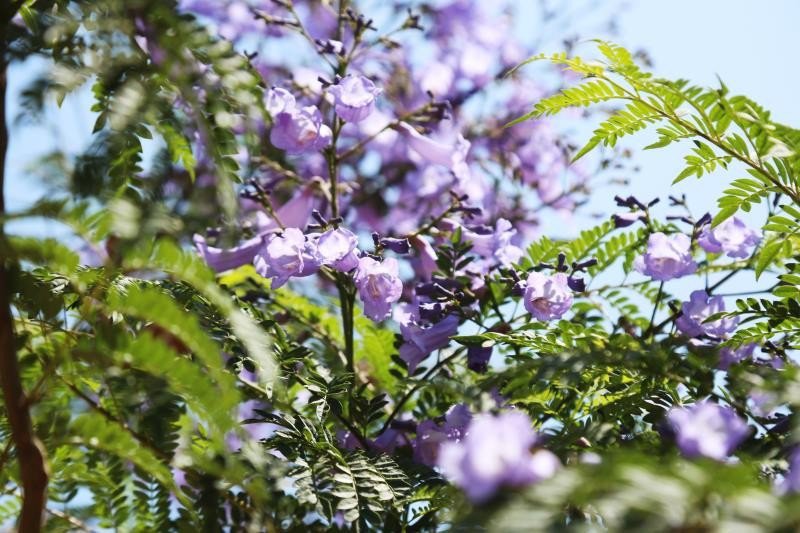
x=296 y=129
x=291 y=254
x=451 y=199
x=379 y=286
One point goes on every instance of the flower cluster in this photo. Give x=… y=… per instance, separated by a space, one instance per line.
x=370 y=142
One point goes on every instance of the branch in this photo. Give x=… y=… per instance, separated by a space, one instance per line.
x=30 y=454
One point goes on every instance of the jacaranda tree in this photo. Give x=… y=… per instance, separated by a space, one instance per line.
x=306 y=278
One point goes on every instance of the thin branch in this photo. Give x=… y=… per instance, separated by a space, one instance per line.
x=30 y=453
x=422 y=381
x=74 y=522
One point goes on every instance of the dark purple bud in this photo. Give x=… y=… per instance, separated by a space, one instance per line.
x=562 y=262
x=319 y=218
x=330 y=46
x=432 y=312
x=705 y=219
x=577 y=267
x=518 y=289
x=576 y=284
x=470 y=212
x=673 y=201
x=478 y=358
x=623 y=220
x=687 y=220
x=653 y=202
x=426 y=289
x=398 y=246
x=633 y=201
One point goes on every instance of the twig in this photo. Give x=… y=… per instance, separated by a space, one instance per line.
x=30 y=453
x=423 y=380
x=82 y=526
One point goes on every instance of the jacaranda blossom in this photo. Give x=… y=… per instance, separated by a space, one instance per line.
x=295 y=129
x=731 y=237
x=222 y=259
x=337 y=247
x=478 y=358
x=707 y=429
x=494 y=243
x=379 y=286
x=791 y=481
x=287 y=255
x=293 y=213
x=354 y=97
x=729 y=356
x=421 y=341
x=496 y=452
x=431 y=436
x=667 y=257
x=452 y=156
x=547 y=297
x=699 y=307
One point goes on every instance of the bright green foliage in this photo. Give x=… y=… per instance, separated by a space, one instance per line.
x=137 y=366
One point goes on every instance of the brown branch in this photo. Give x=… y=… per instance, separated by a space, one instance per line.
x=30 y=454
x=73 y=521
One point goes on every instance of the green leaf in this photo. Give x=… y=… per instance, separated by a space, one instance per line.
x=767 y=255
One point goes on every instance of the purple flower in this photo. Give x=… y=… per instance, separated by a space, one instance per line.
x=221 y=259
x=421 y=341
x=623 y=220
x=791 y=481
x=547 y=297
x=496 y=452
x=666 y=257
x=494 y=243
x=430 y=435
x=433 y=152
x=296 y=129
x=378 y=286
x=337 y=247
x=354 y=97
x=387 y=441
x=731 y=237
x=478 y=358
x=279 y=100
x=427 y=256
x=293 y=213
x=699 y=307
x=729 y=356
x=707 y=429
x=288 y=255
x=429 y=439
